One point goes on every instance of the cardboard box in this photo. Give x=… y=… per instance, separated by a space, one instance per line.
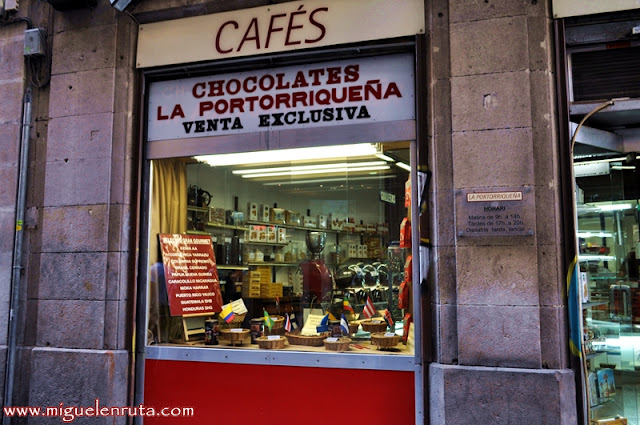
x=251 y=290
x=606 y=383
x=613 y=421
x=323 y=222
x=282 y=235
x=263 y=215
x=252 y=211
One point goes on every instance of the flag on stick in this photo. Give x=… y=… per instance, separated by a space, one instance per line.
x=268 y=321
x=294 y=321
x=227 y=313
x=369 y=310
x=388 y=318
x=324 y=324
x=344 y=325
x=347 y=307
x=287 y=323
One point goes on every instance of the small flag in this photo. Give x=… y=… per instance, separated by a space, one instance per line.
x=388 y=318
x=324 y=324
x=331 y=316
x=287 y=323
x=294 y=321
x=347 y=307
x=369 y=310
x=344 y=325
x=268 y=321
x=227 y=313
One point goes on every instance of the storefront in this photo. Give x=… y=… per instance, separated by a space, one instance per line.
x=600 y=50
x=279 y=256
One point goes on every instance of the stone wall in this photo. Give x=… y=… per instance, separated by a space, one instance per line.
x=76 y=317
x=498 y=304
x=12 y=89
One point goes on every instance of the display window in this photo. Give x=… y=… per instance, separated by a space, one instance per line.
x=280 y=210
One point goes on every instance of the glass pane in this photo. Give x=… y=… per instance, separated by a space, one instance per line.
x=311 y=250
x=608 y=237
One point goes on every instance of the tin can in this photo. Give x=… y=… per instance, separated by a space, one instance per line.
x=334 y=326
x=256 y=329
x=211 y=332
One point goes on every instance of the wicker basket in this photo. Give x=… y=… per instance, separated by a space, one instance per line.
x=309 y=340
x=342 y=344
x=235 y=323
x=279 y=322
x=270 y=344
x=382 y=340
x=234 y=337
x=371 y=326
x=353 y=328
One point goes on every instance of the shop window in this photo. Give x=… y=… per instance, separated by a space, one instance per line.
x=303 y=249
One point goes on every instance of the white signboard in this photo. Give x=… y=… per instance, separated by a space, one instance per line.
x=344 y=92
x=565 y=8
x=276 y=28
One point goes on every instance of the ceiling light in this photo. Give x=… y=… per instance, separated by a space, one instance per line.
x=288 y=155
x=615 y=207
x=331 y=179
x=317 y=167
x=320 y=171
x=403 y=166
x=385 y=157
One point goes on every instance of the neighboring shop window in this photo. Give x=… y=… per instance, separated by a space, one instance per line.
x=303 y=249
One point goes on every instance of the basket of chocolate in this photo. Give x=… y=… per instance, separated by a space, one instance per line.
x=235 y=336
x=337 y=344
x=374 y=325
x=384 y=340
x=295 y=338
x=273 y=342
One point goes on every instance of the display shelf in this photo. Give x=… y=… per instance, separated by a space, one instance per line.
x=289 y=226
x=594 y=354
x=232 y=267
x=280 y=244
x=198 y=209
x=272 y=263
x=593 y=304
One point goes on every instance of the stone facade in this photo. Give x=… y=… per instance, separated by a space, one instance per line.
x=499 y=320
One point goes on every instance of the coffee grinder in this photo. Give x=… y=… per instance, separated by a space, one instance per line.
x=316 y=277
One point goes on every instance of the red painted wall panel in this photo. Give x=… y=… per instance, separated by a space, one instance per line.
x=240 y=394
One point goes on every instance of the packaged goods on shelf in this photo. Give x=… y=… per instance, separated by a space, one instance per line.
x=264 y=213
x=282 y=235
x=322 y=221
x=337 y=221
x=309 y=221
x=292 y=218
x=277 y=215
x=252 y=211
x=217 y=215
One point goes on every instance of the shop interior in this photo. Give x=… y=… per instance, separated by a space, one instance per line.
x=604 y=89
x=300 y=237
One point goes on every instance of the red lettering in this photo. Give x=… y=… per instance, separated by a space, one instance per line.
x=291 y=27
x=282 y=99
x=177 y=112
x=245 y=84
x=160 y=116
x=299 y=97
x=219 y=34
x=392 y=90
x=317 y=24
x=262 y=81
x=235 y=82
x=221 y=106
x=355 y=93
x=300 y=80
x=351 y=73
x=315 y=74
x=273 y=29
x=333 y=76
x=236 y=103
x=281 y=84
x=215 y=88
x=253 y=24
x=252 y=102
x=195 y=91
x=205 y=106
